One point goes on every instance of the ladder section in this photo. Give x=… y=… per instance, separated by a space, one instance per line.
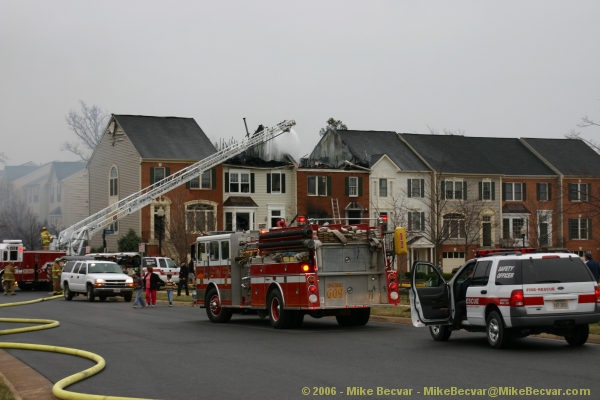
x=336 y=211
x=85 y=229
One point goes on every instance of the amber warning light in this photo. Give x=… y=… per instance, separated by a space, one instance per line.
x=400 y=245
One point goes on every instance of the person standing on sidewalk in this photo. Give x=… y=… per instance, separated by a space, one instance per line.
x=9 y=279
x=183 y=277
x=592 y=265
x=138 y=286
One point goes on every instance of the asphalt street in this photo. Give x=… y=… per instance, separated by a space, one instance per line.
x=177 y=353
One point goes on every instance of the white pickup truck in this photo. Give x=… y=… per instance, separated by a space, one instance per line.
x=95 y=278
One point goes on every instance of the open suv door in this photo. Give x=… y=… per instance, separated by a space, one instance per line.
x=429 y=296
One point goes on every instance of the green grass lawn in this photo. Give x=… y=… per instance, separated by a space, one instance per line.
x=5 y=394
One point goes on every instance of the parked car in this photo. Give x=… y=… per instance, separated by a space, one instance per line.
x=162 y=266
x=511 y=296
x=95 y=278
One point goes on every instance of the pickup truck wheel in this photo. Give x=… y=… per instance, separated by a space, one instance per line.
x=90 y=294
x=279 y=317
x=440 y=333
x=127 y=298
x=498 y=336
x=103 y=297
x=215 y=312
x=68 y=293
x=579 y=335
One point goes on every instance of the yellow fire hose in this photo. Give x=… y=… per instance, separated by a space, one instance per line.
x=58 y=388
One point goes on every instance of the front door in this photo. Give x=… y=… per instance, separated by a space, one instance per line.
x=429 y=296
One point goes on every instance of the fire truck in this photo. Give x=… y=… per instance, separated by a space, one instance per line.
x=289 y=272
x=32 y=267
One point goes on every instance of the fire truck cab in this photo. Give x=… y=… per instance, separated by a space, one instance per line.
x=289 y=272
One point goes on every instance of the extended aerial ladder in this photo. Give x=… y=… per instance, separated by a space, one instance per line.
x=74 y=236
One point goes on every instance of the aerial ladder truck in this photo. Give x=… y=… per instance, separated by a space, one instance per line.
x=73 y=238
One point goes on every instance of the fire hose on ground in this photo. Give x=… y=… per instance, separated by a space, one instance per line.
x=58 y=388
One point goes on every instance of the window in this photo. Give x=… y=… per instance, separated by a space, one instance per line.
x=201 y=182
x=113 y=227
x=352 y=186
x=114 y=182
x=58 y=194
x=36 y=194
x=29 y=194
x=511 y=229
x=579 y=191
x=159 y=174
x=514 y=191
x=580 y=228
x=543 y=232
x=487 y=190
x=51 y=194
x=581 y=253
x=544 y=191
x=200 y=217
x=456 y=190
x=385 y=217
x=319 y=185
x=224 y=250
x=416 y=221
x=416 y=188
x=383 y=188
x=276 y=182
x=453 y=254
x=239 y=182
x=481 y=274
x=454 y=226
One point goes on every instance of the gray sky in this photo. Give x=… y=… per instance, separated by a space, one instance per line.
x=486 y=68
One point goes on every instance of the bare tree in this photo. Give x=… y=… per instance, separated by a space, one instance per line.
x=17 y=221
x=3 y=158
x=335 y=124
x=88 y=126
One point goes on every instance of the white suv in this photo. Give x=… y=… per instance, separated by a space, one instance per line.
x=162 y=266
x=511 y=295
x=95 y=278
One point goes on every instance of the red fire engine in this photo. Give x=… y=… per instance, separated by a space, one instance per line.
x=288 y=272
x=32 y=267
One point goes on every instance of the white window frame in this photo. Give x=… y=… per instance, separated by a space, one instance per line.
x=380 y=188
x=198 y=182
x=511 y=230
x=275 y=209
x=164 y=172
x=415 y=187
x=317 y=179
x=513 y=192
x=581 y=194
x=353 y=186
x=240 y=174
x=205 y=211
x=234 y=211
x=276 y=173
x=460 y=226
x=489 y=190
x=544 y=184
x=579 y=229
x=36 y=194
x=113 y=182
x=544 y=214
x=453 y=182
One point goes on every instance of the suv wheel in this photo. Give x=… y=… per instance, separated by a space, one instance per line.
x=68 y=293
x=90 y=293
x=440 y=333
x=498 y=336
x=578 y=336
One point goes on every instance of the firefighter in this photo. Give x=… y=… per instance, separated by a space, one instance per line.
x=9 y=279
x=56 y=271
x=46 y=238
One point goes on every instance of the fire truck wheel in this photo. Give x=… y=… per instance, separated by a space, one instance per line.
x=214 y=310
x=440 y=333
x=262 y=314
x=68 y=293
x=361 y=316
x=279 y=317
x=345 y=320
x=297 y=319
x=90 y=294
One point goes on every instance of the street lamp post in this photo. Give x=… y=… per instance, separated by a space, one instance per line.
x=161 y=214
